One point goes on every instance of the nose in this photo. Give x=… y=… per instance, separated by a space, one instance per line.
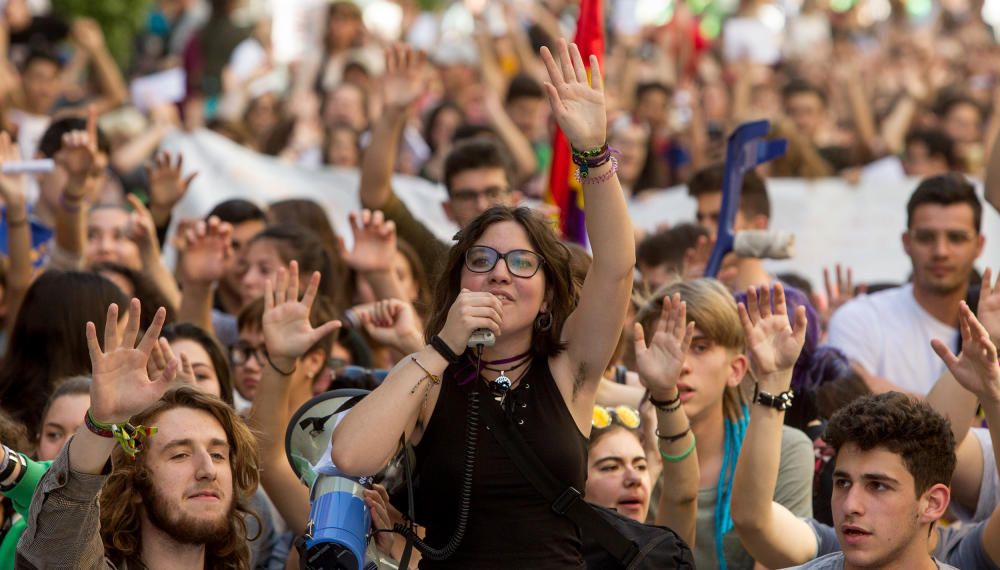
x=206 y=469
x=500 y=272
x=941 y=246
x=852 y=503
x=632 y=477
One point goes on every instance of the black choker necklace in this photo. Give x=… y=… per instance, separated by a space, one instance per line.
x=502 y=384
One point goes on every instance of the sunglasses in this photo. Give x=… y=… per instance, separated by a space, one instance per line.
x=520 y=262
x=623 y=415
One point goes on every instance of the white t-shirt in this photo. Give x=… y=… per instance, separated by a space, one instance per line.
x=890 y=335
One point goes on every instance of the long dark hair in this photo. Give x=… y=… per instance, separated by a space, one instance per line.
x=48 y=341
x=216 y=354
x=562 y=290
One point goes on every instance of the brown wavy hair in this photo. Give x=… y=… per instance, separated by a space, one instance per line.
x=121 y=497
x=562 y=289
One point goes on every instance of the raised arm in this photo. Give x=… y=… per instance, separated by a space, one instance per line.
x=204 y=250
x=66 y=511
x=142 y=231
x=88 y=35
x=592 y=331
x=288 y=335
x=659 y=367
x=771 y=534
x=79 y=157
x=978 y=371
x=402 y=84
x=19 y=270
x=374 y=253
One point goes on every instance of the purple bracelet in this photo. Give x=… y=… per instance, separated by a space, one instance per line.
x=581 y=175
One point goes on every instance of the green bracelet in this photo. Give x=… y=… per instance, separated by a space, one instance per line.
x=682 y=456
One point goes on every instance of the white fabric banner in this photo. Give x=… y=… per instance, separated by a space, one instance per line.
x=833 y=222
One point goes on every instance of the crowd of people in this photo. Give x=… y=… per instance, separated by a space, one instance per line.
x=770 y=422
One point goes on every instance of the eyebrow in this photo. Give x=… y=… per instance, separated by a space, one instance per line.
x=214 y=442
x=54 y=424
x=882 y=477
x=618 y=459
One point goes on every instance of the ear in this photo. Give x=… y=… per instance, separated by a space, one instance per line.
x=515 y=197
x=933 y=503
x=738 y=367
x=906 y=242
x=981 y=241
x=312 y=363
x=446 y=206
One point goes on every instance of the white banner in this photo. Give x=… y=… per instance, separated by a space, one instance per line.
x=833 y=222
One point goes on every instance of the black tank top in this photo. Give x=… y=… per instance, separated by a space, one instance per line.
x=510 y=524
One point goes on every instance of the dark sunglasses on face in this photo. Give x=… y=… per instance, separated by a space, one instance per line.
x=242 y=351
x=520 y=262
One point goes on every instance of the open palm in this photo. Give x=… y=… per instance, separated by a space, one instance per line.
x=374 y=242
x=121 y=385
x=989 y=305
x=976 y=367
x=287 y=330
x=660 y=363
x=403 y=81
x=204 y=250
x=578 y=104
x=773 y=344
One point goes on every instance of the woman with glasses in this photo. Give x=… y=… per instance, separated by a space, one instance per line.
x=508 y=275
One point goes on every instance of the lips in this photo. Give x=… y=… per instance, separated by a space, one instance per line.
x=504 y=296
x=630 y=506
x=685 y=392
x=206 y=495
x=853 y=535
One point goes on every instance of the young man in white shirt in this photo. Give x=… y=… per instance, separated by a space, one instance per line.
x=889 y=333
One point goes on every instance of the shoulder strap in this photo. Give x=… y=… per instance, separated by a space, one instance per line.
x=566 y=500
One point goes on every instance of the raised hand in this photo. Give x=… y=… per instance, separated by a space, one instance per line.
x=88 y=35
x=660 y=363
x=122 y=386
x=13 y=187
x=142 y=228
x=80 y=158
x=204 y=248
x=404 y=80
x=989 y=305
x=167 y=185
x=374 y=242
x=976 y=368
x=577 y=104
x=773 y=344
x=839 y=293
x=288 y=334
x=163 y=359
x=394 y=323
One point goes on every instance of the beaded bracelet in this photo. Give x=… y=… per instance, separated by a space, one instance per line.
x=682 y=456
x=672 y=438
x=666 y=405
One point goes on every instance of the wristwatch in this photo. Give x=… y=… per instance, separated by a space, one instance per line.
x=780 y=402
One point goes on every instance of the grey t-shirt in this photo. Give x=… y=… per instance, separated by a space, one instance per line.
x=793 y=490
x=989 y=489
x=961 y=547
x=835 y=561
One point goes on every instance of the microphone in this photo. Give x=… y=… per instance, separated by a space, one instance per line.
x=481 y=338
x=764 y=244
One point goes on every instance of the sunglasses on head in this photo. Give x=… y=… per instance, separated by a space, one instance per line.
x=623 y=415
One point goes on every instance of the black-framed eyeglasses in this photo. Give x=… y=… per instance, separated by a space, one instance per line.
x=492 y=194
x=242 y=351
x=520 y=262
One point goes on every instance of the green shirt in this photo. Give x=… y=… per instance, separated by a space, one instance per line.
x=21 y=495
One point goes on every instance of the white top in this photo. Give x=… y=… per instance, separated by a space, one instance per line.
x=890 y=335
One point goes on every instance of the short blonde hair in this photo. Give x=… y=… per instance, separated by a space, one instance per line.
x=713 y=310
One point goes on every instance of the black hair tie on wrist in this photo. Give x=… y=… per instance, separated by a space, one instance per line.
x=442 y=348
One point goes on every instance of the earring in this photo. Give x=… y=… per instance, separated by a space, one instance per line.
x=543 y=322
x=310 y=375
